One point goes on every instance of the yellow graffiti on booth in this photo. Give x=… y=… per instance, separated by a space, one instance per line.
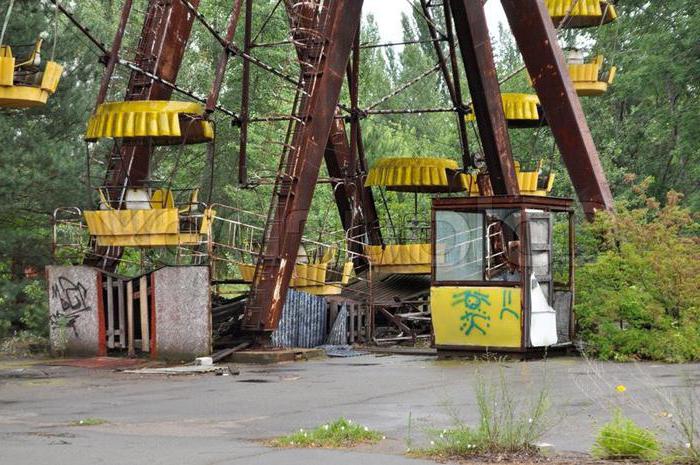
x=476 y=316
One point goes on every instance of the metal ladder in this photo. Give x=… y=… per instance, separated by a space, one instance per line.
x=307 y=31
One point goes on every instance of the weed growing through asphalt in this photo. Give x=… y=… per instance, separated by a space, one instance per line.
x=621 y=438
x=340 y=433
x=685 y=421
x=506 y=425
x=89 y=422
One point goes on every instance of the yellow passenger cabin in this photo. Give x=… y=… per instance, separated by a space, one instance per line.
x=418 y=175
x=590 y=79
x=24 y=81
x=150 y=218
x=521 y=110
x=314 y=276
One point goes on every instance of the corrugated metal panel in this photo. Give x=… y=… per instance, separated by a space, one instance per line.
x=303 y=322
x=339 y=332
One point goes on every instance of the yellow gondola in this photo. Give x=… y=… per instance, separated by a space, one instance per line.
x=589 y=78
x=153 y=222
x=164 y=122
x=400 y=258
x=521 y=110
x=581 y=13
x=532 y=182
x=23 y=82
x=310 y=277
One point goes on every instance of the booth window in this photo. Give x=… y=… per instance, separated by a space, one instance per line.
x=477 y=246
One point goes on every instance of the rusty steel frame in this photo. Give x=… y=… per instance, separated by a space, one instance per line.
x=451 y=80
x=363 y=195
x=245 y=98
x=477 y=55
x=213 y=97
x=321 y=133
x=345 y=160
x=276 y=265
x=113 y=57
x=536 y=37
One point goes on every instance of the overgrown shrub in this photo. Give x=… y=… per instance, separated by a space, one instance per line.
x=621 y=438
x=23 y=308
x=638 y=295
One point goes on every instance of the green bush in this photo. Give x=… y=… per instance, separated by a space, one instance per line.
x=23 y=308
x=638 y=293
x=621 y=438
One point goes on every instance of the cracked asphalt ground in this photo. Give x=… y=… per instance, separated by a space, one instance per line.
x=208 y=419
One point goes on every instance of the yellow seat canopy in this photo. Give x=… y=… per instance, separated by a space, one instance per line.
x=582 y=13
x=23 y=87
x=165 y=122
x=420 y=174
x=521 y=110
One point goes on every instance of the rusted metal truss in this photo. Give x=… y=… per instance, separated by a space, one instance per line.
x=344 y=158
x=477 y=54
x=325 y=35
x=537 y=40
x=330 y=45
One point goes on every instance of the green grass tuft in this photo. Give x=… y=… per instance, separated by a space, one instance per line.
x=340 y=433
x=621 y=438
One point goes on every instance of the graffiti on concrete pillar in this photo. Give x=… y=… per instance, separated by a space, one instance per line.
x=73 y=303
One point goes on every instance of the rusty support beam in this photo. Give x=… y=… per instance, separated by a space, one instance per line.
x=453 y=87
x=477 y=54
x=355 y=202
x=537 y=40
x=467 y=161
x=113 y=57
x=245 y=98
x=364 y=198
x=269 y=290
x=213 y=97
